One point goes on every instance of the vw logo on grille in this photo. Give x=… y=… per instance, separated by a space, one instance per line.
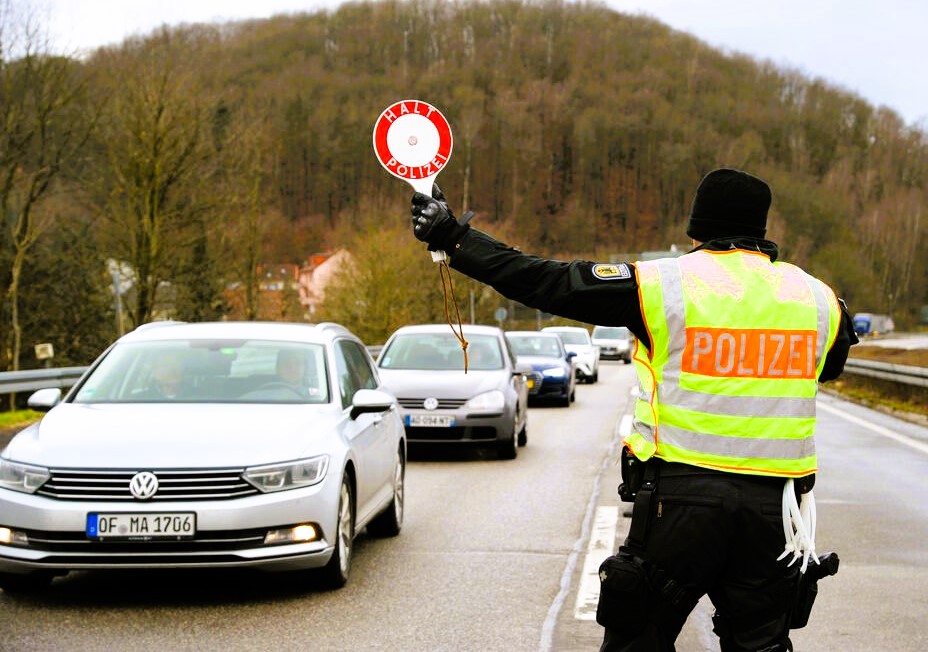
x=430 y=403
x=143 y=485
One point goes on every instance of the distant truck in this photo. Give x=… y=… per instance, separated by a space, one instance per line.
x=866 y=323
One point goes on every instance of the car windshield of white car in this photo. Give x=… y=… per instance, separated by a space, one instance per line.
x=441 y=352
x=543 y=347
x=610 y=333
x=209 y=371
x=574 y=337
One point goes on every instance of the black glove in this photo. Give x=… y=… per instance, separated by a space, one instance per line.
x=434 y=223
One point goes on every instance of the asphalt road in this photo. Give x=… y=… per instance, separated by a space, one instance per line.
x=493 y=557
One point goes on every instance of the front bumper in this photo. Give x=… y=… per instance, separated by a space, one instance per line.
x=547 y=387
x=586 y=366
x=614 y=353
x=466 y=428
x=229 y=533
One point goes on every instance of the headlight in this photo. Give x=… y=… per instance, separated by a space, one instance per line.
x=289 y=475
x=22 y=477
x=493 y=400
x=554 y=372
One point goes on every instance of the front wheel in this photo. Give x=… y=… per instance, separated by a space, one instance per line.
x=334 y=575
x=508 y=449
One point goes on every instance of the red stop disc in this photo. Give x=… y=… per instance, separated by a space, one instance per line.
x=412 y=141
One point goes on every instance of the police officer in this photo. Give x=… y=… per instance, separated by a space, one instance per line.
x=731 y=344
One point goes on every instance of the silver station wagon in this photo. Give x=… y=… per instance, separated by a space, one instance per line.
x=268 y=445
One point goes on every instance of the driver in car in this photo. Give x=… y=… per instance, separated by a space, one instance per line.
x=291 y=369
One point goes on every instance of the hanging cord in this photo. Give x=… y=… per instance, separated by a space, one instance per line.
x=798 y=526
x=443 y=270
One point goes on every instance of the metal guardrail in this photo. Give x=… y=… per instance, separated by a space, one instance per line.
x=66 y=377
x=33 y=379
x=897 y=373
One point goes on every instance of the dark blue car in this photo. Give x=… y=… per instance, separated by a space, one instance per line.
x=554 y=376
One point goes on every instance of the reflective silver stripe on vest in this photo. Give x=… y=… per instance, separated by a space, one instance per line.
x=736 y=406
x=672 y=287
x=755 y=406
x=824 y=318
x=771 y=449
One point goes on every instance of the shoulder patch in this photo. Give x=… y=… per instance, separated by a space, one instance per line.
x=606 y=272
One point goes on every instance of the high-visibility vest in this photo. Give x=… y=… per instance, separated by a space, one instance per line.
x=737 y=345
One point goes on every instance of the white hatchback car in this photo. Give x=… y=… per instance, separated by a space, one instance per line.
x=577 y=340
x=267 y=445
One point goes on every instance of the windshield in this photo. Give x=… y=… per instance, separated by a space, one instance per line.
x=209 y=371
x=574 y=337
x=441 y=352
x=537 y=345
x=610 y=333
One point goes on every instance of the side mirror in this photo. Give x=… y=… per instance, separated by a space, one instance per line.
x=571 y=354
x=370 y=400
x=523 y=369
x=44 y=400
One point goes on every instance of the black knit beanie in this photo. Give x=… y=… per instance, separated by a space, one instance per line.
x=729 y=203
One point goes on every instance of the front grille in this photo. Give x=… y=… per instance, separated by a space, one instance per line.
x=209 y=541
x=455 y=433
x=443 y=403
x=185 y=484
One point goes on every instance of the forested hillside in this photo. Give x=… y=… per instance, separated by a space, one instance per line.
x=193 y=155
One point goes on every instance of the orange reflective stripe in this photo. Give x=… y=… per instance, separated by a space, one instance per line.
x=749 y=352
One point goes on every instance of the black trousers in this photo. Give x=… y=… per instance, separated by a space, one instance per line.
x=711 y=533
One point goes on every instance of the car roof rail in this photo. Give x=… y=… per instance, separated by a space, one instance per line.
x=161 y=323
x=332 y=326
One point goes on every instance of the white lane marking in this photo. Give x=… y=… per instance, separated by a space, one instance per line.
x=902 y=439
x=547 y=630
x=601 y=545
x=602 y=542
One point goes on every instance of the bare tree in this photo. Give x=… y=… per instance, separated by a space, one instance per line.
x=153 y=169
x=41 y=127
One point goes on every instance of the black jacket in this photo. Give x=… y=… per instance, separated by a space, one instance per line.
x=572 y=290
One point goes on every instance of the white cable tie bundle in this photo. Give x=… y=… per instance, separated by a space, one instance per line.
x=798 y=526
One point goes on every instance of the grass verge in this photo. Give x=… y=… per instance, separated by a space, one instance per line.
x=894 y=398
x=18 y=418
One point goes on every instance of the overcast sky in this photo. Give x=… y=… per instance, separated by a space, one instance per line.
x=874 y=48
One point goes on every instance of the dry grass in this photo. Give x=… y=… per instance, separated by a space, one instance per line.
x=906 y=401
x=913 y=357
